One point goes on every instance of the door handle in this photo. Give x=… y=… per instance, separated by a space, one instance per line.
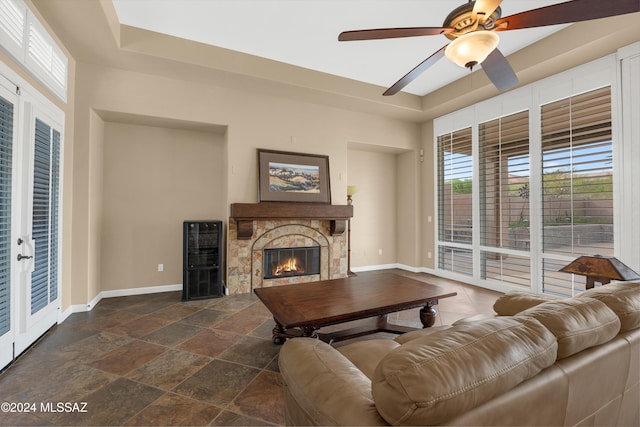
x=21 y=257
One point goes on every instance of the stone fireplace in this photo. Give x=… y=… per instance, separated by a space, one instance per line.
x=304 y=231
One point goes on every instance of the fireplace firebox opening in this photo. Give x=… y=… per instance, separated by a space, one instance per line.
x=289 y=262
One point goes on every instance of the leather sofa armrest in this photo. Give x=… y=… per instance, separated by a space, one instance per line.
x=326 y=387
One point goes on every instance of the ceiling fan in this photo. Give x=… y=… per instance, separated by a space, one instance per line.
x=472 y=30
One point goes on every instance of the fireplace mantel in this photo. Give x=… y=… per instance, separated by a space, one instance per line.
x=246 y=213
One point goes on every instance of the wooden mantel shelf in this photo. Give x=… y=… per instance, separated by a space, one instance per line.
x=246 y=213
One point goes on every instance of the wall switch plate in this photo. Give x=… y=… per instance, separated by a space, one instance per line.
x=161 y=267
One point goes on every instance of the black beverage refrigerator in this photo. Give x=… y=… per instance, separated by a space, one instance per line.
x=202 y=260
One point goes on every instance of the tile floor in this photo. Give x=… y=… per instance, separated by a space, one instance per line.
x=156 y=360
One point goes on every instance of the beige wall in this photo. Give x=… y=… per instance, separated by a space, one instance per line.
x=154 y=179
x=428 y=183
x=252 y=121
x=373 y=227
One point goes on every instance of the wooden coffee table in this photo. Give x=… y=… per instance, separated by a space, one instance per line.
x=302 y=309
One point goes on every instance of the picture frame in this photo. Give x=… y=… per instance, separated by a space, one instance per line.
x=285 y=176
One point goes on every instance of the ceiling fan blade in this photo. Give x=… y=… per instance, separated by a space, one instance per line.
x=411 y=75
x=568 y=12
x=486 y=7
x=391 y=33
x=499 y=71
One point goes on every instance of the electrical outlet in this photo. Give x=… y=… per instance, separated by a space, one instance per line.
x=429 y=254
x=160 y=268
x=379 y=251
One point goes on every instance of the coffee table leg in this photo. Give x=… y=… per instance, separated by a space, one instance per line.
x=428 y=314
x=279 y=334
x=309 y=331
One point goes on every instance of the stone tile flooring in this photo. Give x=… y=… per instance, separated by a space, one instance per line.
x=156 y=360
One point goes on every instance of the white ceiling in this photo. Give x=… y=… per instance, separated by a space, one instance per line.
x=305 y=33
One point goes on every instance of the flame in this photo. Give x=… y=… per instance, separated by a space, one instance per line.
x=288 y=267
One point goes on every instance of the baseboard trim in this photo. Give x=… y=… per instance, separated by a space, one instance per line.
x=80 y=308
x=391 y=266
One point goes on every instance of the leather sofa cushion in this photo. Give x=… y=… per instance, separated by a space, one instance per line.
x=577 y=323
x=513 y=303
x=367 y=354
x=431 y=379
x=623 y=298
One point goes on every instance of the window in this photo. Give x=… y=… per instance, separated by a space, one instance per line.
x=22 y=35
x=504 y=198
x=44 y=280
x=526 y=183
x=6 y=173
x=577 y=181
x=455 y=179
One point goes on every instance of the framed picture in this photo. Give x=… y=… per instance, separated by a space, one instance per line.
x=293 y=177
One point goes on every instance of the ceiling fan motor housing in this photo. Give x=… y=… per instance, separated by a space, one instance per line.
x=462 y=21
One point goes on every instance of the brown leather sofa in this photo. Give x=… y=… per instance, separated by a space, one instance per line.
x=568 y=362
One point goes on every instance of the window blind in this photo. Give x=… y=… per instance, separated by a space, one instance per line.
x=577 y=171
x=55 y=220
x=504 y=164
x=45 y=54
x=12 y=19
x=455 y=168
x=41 y=220
x=24 y=37
x=6 y=160
x=577 y=184
x=455 y=212
x=504 y=182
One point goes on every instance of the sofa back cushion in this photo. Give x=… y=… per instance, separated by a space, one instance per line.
x=623 y=298
x=514 y=302
x=577 y=323
x=431 y=379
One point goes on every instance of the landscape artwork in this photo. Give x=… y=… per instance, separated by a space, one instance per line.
x=293 y=177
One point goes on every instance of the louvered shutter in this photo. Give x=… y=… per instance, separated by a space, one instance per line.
x=504 y=164
x=455 y=223
x=6 y=159
x=577 y=182
x=41 y=216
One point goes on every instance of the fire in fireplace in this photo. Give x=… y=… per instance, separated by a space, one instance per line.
x=288 y=262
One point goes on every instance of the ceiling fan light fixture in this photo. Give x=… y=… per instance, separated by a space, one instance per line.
x=472 y=48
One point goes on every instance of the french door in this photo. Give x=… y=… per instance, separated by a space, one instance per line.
x=30 y=148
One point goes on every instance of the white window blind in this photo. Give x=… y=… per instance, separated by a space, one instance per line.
x=46 y=183
x=504 y=164
x=6 y=171
x=12 y=23
x=455 y=211
x=43 y=51
x=504 y=182
x=577 y=181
